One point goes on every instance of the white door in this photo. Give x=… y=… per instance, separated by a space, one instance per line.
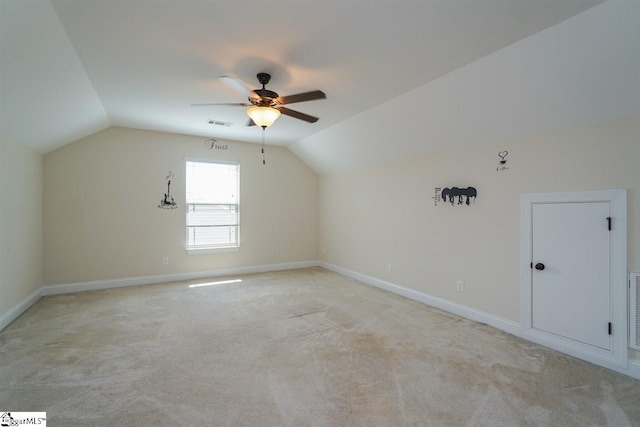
x=571 y=271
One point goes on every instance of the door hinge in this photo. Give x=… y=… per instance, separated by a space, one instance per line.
x=609 y=222
x=610 y=328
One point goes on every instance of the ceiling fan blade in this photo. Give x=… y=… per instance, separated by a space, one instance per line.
x=223 y=104
x=301 y=97
x=236 y=84
x=297 y=114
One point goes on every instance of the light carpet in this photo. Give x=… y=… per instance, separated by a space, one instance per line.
x=297 y=348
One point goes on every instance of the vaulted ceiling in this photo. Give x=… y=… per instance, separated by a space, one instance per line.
x=69 y=68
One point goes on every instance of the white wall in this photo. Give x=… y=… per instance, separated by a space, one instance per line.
x=20 y=224
x=102 y=220
x=385 y=214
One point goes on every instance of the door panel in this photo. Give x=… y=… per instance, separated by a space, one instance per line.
x=571 y=297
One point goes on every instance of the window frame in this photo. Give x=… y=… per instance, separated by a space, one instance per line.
x=204 y=249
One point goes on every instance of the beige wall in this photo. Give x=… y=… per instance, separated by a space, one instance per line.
x=385 y=214
x=20 y=224
x=102 y=219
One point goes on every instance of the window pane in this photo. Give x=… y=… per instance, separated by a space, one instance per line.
x=212 y=200
x=212 y=236
x=212 y=215
x=212 y=182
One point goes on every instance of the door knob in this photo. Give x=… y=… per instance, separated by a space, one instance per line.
x=540 y=266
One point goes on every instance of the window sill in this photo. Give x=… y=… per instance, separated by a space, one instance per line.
x=199 y=251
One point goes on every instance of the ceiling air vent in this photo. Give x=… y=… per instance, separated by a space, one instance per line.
x=219 y=123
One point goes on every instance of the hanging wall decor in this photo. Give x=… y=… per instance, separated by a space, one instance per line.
x=213 y=144
x=455 y=195
x=502 y=163
x=167 y=202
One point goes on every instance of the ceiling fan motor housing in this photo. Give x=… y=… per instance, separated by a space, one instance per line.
x=264 y=98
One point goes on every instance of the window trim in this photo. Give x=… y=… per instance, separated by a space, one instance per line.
x=212 y=250
x=195 y=250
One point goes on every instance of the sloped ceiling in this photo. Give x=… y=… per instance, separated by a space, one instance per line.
x=46 y=98
x=581 y=71
x=69 y=68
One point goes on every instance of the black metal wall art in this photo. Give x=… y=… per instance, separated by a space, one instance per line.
x=455 y=196
x=167 y=202
x=459 y=194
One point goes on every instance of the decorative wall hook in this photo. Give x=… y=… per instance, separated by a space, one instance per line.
x=461 y=194
x=455 y=195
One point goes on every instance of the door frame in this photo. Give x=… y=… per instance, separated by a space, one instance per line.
x=618 y=356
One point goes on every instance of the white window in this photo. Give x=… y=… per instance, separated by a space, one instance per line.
x=213 y=204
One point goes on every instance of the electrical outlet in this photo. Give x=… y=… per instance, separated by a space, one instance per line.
x=165 y=260
x=460 y=286
x=389 y=268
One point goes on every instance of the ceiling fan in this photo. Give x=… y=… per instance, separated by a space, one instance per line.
x=267 y=102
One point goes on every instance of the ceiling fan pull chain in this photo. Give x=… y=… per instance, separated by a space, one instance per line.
x=263 y=161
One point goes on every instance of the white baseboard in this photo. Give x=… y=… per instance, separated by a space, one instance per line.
x=440 y=303
x=149 y=280
x=506 y=325
x=68 y=288
x=19 y=308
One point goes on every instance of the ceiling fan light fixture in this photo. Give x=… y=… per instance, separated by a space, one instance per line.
x=263 y=116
